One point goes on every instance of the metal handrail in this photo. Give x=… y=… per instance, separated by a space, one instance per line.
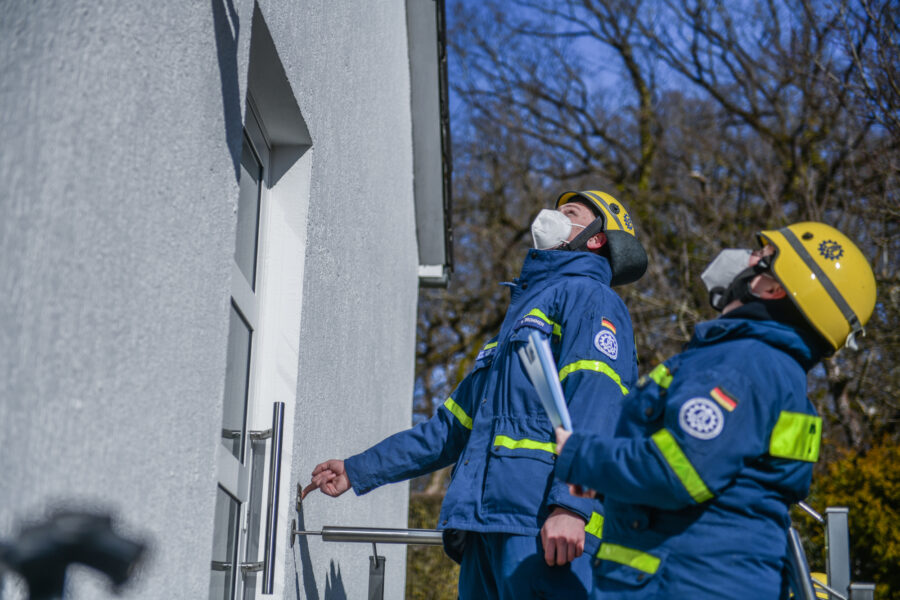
x=374 y=535
x=811 y=512
x=799 y=568
x=268 y=584
x=834 y=593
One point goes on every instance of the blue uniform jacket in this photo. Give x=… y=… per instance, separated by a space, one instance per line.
x=710 y=450
x=493 y=425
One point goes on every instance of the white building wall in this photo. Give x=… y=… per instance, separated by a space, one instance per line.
x=117 y=196
x=358 y=321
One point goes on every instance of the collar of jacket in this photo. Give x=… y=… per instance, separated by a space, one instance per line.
x=775 y=334
x=547 y=264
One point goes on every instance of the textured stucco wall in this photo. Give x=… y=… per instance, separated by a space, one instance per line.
x=115 y=252
x=358 y=320
x=117 y=193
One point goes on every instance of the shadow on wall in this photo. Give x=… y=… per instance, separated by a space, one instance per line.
x=227 y=28
x=301 y=547
x=334 y=582
x=334 y=585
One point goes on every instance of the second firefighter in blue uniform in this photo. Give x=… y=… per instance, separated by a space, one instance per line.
x=716 y=443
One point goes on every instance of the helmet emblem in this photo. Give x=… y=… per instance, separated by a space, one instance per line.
x=830 y=250
x=628 y=224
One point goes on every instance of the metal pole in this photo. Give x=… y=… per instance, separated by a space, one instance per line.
x=268 y=583
x=862 y=591
x=837 y=547
x=800 y=580
x=376 y=574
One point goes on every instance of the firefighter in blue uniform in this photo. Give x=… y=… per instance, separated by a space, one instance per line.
x=715 y=443
x=517 y=531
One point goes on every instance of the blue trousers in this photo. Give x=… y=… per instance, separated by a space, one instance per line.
x=503 y=566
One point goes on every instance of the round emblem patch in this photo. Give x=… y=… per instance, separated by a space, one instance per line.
x=830 y=250
x=606 y=343
x=701 y=418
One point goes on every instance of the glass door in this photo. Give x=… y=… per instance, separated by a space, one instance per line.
x=235 y=562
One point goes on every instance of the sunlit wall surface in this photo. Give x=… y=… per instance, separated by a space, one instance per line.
x=123 y=135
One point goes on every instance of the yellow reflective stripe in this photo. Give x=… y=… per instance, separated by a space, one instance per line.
x=536 y=312
x=683 y=468
x=593 y=365
x=796 y=436
x=629 y=556
x=661 y=376
x=489 y=346
x=512 y=444
x=595 y=525
x=458 y=412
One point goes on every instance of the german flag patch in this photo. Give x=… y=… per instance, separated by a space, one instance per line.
x=723 y=399
x=608 y=324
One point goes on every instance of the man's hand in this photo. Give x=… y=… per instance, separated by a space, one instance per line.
x=561 y=436
x=562 y=536
x=581 y=492
x=576 y=490
x=330 y=477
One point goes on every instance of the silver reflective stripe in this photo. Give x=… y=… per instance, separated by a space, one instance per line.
x=808 y=260
x=605 y=204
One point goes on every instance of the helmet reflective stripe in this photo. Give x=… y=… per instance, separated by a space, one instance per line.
x=605 y=205
x=822 y=278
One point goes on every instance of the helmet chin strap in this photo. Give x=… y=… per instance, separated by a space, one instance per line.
x=739 y=288
x=579 y=242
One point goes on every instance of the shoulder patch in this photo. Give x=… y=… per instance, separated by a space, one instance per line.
x=723 y=398
x=605 y=341
x=701 y=418
x=535 y=323
x=608 y=324
x=487 y=351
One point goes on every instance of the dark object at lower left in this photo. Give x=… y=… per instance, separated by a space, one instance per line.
x=42 y=553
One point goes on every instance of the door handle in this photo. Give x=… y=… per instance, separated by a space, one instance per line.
x=268 y=583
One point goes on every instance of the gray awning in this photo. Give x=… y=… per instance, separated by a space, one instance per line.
x=432 y=163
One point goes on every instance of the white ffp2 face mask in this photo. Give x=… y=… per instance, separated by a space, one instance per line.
x=550 y=229
x=725 y=267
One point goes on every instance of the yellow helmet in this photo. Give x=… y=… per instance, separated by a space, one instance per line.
x=827 y=277
x=627 y=257
x=820 y=578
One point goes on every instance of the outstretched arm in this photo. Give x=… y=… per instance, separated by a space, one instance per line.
x=426 y=447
